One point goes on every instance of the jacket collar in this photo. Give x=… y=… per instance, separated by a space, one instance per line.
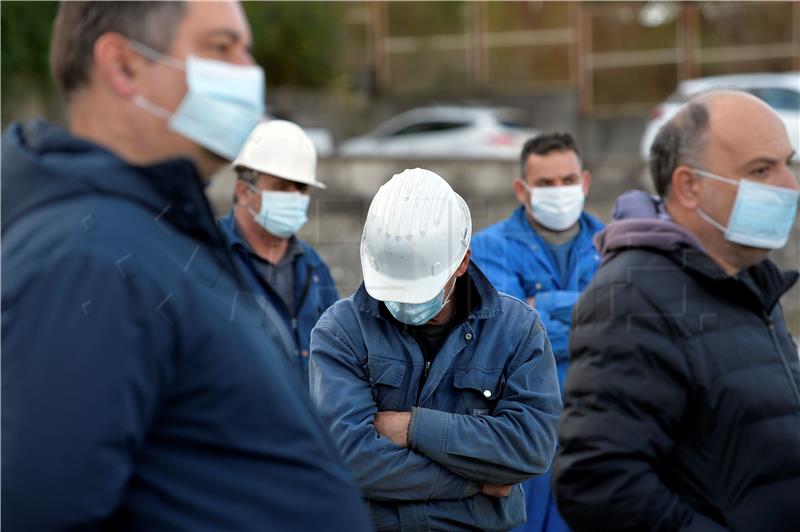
x=488 y=307
x=763 y=282
x=43 y=163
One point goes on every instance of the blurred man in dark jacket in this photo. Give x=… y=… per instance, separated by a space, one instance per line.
x=142 y=388
x=682 y=406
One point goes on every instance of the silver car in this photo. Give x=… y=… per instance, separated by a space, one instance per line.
x=445 y=131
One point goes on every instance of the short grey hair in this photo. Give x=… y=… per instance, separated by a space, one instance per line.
x=679 y=141
x=78 y=25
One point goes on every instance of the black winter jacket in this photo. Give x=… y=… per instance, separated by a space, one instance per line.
x=682 y=404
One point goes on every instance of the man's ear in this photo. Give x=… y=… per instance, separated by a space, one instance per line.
x=116 y=64
x=242 y=192
x=462 y=268
x=586 y=178
x=685 y=188
x=523 y=196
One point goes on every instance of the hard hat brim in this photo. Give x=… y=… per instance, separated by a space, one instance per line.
x=316 y=184
x=385 y=288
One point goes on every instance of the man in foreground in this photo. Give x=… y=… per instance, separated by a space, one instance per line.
x=682 y=406
x=142 y=388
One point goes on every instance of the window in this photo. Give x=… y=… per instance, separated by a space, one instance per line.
x=428 y=127
x=781 y=99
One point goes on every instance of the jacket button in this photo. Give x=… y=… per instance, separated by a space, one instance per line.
x=487 y=393
x=304 y=353
x=468 y=337
x=538 y=286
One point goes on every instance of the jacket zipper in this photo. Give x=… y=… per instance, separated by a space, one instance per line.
x=422 y=381
x=299 y=306
x=786 y=368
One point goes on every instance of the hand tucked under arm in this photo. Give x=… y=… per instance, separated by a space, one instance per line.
x=393 y=426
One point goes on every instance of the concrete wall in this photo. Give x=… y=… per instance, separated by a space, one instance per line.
x=337 y=214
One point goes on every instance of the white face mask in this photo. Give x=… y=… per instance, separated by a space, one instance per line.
x=224 y=102
x=762 y=215
x=282 y=213
x=419 y=313
x=556 y=208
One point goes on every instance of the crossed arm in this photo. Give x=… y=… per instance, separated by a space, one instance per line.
x=444 y=455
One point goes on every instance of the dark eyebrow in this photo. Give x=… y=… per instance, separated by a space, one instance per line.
x=232 y=34
x=562 y=177
x=765 y=159
x=761 y=160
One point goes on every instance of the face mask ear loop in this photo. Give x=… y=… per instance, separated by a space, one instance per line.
x=529 y=204
x=715 y=176
x=446 y=299
x=150 y=107
x=711 y=221
x=154 y=55
x=703 y=215
x=255 y=190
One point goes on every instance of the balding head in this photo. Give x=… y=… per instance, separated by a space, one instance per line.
x=709 y=120
x=741 y=128
x=700 y=156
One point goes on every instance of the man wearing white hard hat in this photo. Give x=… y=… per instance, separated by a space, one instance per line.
x=275 y=169
x=440 y=392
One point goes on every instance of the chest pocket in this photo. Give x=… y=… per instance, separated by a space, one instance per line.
x=479 y=389
x=386 y=379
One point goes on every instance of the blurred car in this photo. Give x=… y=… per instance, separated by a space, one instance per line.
x=322 y=139
x=780 y=90
x=445 y=131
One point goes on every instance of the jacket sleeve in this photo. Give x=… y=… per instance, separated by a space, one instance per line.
x=83 y=374
x=557 y=304
x=623 y=401
x=518 y=440
x=555 y=309
x=341 y=390
x=495 y=261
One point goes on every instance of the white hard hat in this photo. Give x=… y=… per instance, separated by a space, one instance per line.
x=416 y=234
x=281 y=149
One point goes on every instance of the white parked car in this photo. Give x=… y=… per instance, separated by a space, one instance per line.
x=444 y=131
x=779 y=90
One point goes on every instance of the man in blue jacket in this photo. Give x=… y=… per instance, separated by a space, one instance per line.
x=543 y=254
x=142 y=387
x=275 y=169
x=441 y=393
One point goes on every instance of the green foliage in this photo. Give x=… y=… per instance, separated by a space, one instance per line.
x=25 y=40
x=298 y=43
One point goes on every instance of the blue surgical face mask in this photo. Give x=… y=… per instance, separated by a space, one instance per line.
x=222 y=106
x=282 y=213
x=762 y=215
x=418 y=313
